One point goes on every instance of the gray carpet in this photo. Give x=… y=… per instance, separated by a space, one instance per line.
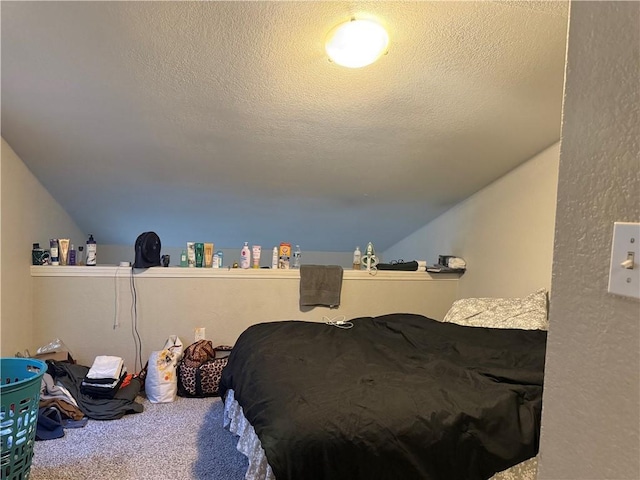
x=180 y=440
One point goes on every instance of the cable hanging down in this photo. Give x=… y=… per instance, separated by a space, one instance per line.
x=134 y=323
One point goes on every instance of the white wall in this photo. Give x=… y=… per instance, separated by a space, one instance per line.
x=83 y=310
x=29 y=215
x=504 y=232
x=591 y=414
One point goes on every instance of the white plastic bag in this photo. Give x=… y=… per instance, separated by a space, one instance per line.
x=55 y=345
x=161 y=383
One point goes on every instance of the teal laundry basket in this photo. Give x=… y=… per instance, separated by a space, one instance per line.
x=19 y=396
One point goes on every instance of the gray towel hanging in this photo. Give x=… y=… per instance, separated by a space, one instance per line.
x=320 y=285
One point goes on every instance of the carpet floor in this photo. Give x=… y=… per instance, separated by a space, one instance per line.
x=184 y=439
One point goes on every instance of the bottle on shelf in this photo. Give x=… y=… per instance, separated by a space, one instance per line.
x=297 y=257
x=245 y=256
x=274 y=258
x=357 y=258
x=72 y=255
x=92 y=252
x=183 y=259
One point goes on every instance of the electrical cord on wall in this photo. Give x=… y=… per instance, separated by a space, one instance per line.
x=116 y=318
x=134 y=323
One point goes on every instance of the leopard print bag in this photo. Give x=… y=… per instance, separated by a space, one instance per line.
x=200 y=370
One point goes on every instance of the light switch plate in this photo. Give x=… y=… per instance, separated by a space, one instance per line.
x=625 y=246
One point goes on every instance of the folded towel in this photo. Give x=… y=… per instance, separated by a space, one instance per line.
x=101 y=382
x=101 y=391
x=320 y=285
x=106 y=366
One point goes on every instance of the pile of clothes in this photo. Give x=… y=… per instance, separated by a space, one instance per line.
x=57 y=410
x=104 y=377
x=71 y=394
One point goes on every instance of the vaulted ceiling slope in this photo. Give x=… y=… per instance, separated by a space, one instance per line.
x=225 y=121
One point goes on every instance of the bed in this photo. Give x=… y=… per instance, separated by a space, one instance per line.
x=395 y=396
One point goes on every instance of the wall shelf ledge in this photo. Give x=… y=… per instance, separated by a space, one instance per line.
x=112 y=271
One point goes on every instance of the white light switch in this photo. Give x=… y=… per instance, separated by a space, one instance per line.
x=624 y=271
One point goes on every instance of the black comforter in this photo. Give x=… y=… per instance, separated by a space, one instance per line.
x=395 y=397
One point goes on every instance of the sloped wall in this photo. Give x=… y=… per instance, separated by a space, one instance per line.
x=29 y=215
x=504 y=232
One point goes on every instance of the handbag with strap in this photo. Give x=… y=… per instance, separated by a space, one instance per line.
x=200 y=370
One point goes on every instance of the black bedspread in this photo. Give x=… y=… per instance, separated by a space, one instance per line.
x=395 y=397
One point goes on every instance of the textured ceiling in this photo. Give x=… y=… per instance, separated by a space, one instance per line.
x=225 y=122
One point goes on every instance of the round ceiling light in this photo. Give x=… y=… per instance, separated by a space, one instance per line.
x=357 y=43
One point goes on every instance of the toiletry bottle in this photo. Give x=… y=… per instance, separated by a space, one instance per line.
x=220 y=258
x=199 y=254
x=284 y=256
x=92 y=252
x=55 y=252
x=357 y=259
x=297 y=256
x=183 y=258
x=72 y=255
x=191 y=254
x=256 y=252
x=80 y=255
x=36 y=254
x=245 y=256
x=274 y=258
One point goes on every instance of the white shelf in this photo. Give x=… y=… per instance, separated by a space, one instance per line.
x=112 y=271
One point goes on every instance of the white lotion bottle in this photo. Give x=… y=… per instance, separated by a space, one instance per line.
x=357 y=259
x=274 y=258
x=245 y=256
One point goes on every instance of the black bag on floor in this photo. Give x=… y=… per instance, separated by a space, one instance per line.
x=200 y=370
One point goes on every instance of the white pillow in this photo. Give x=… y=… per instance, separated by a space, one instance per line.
x=528 y=313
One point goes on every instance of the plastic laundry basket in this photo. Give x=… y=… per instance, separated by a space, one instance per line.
x=19 y=395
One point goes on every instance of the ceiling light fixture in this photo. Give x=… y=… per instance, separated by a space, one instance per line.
x=357 y=43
